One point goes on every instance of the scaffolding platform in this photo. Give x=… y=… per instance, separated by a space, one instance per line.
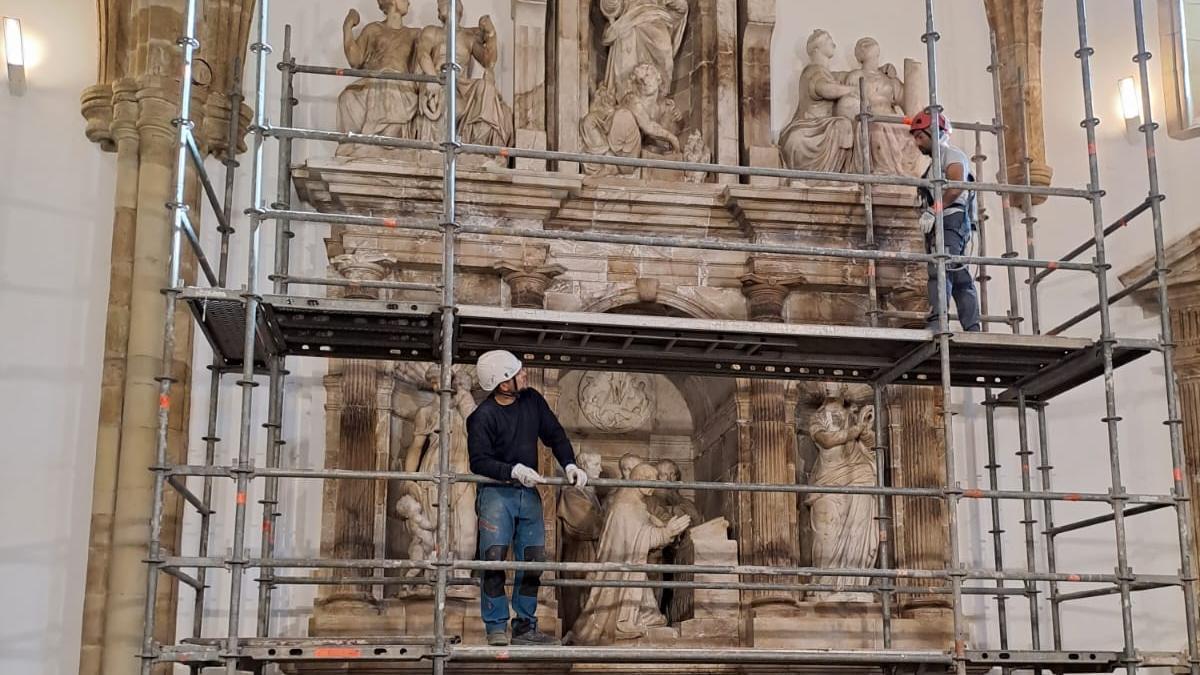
x=284 y=650
x=1041 y=366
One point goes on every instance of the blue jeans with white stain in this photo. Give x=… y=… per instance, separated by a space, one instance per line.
x=959 y=285
x=510 y=516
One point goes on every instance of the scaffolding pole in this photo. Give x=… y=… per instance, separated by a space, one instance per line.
x=1187 y=565
x=1130 y=657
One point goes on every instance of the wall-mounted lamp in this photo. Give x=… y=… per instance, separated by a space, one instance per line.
x=1131 y=106
x=14 y=55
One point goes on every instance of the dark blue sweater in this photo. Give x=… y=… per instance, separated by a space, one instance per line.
x=501 y=436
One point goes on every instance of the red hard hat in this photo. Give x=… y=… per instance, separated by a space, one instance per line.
x=923 y=120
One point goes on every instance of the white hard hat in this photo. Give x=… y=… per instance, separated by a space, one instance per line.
x=495 y=367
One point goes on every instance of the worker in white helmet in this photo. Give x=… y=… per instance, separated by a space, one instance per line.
x=502 y=441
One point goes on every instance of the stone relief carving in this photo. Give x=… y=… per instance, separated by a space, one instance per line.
x=844 y=531
x=822 y=135
x=630 y=533
x=616 y=402
x=422 y=456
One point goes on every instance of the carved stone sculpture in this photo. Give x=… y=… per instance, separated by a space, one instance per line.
x=640 y=121
x=614 y=613
x=582 y=520
x=667 y=503
x=616 y=402
x=483 y=116
x=844 y=531
x=381 y=107
x=422 y=456
x=817 y=139
x=893 y=151
x=420 y=528
x=641 y=32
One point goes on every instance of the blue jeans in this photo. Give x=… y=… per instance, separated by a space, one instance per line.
x=959 y=284
x=510 y=516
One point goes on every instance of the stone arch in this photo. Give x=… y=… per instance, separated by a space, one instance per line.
x=631 y=298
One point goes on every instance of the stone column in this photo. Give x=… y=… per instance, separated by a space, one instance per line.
x=756 y=27
x=529 y=78
x=1018 y=28
x=129 y=110
x=768 y=451
x=527 y=284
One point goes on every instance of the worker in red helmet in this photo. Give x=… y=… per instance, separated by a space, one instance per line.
x=958 y=220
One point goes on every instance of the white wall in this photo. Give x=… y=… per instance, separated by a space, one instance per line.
x=56 y=196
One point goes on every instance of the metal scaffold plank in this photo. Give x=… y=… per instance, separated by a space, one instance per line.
x=1042 y=366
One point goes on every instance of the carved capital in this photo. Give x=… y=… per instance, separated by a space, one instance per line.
x=362 y=267
x=138 y=44
x=528 y=283
x=1018 y=28
x=767 y=295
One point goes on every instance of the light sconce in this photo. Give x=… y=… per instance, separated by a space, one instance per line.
x=14 y=55
x=1131 y=106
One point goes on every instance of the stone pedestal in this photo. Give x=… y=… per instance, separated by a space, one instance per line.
x=703 y=614
x=848 y=626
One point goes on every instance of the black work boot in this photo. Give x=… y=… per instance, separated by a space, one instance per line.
x=529 y=635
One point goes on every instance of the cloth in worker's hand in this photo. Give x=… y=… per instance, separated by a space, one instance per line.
x=526 y=476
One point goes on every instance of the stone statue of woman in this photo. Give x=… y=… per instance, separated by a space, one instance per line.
x=817 y=139
x=641 y=31
x=893 y=151
x=844 y=531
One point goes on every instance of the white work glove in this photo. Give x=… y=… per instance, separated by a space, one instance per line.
x=928 y=220
x=576 y=476
x=526 y=476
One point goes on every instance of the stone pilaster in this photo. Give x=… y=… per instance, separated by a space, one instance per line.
x=529 y=78
x=567 y=86
x=767 y=440
x=528 y=283
x=918 y=455
x=1018 y=28
x=356 y=445
x=756 y=26
x=1185 y=324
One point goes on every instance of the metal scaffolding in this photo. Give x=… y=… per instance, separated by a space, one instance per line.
x=253 y=334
